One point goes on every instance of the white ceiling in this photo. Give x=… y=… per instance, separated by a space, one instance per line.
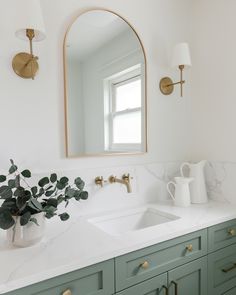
x=92 y=30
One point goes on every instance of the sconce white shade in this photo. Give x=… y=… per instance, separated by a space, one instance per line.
x=30 y=17
x=181 y=55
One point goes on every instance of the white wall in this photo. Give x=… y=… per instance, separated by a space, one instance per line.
x=213 y=104
x=31 y=112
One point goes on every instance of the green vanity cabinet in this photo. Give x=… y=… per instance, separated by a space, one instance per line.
x=199 y=263
x=93 y=280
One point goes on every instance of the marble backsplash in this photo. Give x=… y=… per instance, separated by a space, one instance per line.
x=148 y=184
x=221 y=181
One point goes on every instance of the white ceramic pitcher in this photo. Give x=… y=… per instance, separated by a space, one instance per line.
x=198 y=186
x=181 y=196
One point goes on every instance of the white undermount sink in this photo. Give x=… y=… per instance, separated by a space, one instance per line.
x=131 y=220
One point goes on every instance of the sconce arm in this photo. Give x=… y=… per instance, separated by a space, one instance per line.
x=176 y=83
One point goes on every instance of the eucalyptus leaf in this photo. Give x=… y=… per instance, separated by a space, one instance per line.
x=19 y=192
x=70 y=193
x=77 y=195
x=60 y=199
x=49 y=211
x=26 y=173
x=60 y=185
x=17 y=181
x=52 y=202
x=13 y=169
x=6 y=220
x=53 y=177
x=3 y=178
x=34 y=190
x=84 y=195
x=64 y=216
x=5 y=192
x=25 y=218
x=64 y=180
x=79 y=183
x=33 y=203
x=21 y=202
x=49 y=193
x=9 y=204
x=42 y=182
x=11 y=183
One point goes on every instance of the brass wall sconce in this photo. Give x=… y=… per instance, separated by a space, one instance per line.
x=181 y=58
x=31 y=29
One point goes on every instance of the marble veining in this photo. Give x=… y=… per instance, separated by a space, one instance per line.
x=221 y=179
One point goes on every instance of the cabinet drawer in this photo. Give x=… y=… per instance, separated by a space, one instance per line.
x=141 y=265
x=221 y=235
x=154 y=286
x=97 y=280
x=222 y=270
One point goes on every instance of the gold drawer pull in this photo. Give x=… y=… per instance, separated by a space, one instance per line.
x=166 y=289
x=189 y=248
x=67 y=292
x=231 y=232
x=229 y=269
x=176 y=287
x=144 y=265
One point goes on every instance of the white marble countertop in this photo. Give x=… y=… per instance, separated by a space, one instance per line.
x=77 y=243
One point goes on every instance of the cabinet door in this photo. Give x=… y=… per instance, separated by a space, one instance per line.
x=154 y=286
x=189 y=279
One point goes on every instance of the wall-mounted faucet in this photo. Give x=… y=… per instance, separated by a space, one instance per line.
x=125 y=180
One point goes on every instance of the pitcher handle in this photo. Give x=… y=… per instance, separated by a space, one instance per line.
x=182 y=168
x=168 y=188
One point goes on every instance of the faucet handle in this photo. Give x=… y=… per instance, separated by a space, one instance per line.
x=126 y=177
x=99 y=181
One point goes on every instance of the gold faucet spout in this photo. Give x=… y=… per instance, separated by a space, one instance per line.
x=125 y=180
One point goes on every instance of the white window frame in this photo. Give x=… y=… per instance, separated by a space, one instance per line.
x=130 y=75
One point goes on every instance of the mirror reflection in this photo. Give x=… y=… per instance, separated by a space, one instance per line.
x=105 y=86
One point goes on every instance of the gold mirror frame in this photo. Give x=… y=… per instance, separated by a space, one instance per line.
x=66 y=93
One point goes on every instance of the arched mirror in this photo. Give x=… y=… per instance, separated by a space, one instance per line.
x=105 y=86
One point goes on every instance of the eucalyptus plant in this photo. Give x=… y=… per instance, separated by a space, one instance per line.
x=21 y=200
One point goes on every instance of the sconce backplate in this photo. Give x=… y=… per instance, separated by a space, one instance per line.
x=166 y=86
x=25 y=65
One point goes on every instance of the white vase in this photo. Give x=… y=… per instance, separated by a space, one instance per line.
x=198 y=186
x=27 y=235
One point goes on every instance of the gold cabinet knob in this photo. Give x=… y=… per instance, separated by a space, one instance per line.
x=67 y=292
x=144 y=265
x=231 y=232
x=189 y=248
